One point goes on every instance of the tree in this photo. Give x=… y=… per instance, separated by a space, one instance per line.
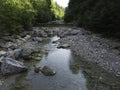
x=97 y=15
x=16 y=14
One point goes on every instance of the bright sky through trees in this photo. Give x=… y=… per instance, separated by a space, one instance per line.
x=63 y=3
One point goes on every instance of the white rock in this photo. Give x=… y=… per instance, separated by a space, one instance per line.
x=11 y=66
x=2 y=53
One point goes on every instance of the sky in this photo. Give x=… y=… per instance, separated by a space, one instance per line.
x=63 y=3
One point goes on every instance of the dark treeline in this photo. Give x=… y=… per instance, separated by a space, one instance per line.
x=97 y=15
x=18 y=14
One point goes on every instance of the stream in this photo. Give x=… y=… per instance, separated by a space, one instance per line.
x=72 y=73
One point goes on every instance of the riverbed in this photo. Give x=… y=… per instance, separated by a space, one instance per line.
x=73 y=71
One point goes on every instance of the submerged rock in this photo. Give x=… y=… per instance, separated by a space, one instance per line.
x=11 y=66
x=47 y=71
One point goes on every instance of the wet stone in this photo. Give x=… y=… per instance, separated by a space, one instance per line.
x=11 y=66
x=64 y=46
x=2 y=53
x=47 y=71
x=38 y=39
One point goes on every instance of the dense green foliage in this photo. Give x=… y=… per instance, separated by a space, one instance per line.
x=57 y=10
x=97 y=15
x=17 y=14
x=47 y=10
x=44 y=14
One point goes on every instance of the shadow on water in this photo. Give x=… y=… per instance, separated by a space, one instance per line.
x=72 y=73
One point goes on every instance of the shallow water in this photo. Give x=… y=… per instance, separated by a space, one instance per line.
x=72 y=73
x=58 y=60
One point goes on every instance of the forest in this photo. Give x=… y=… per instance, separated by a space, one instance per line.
x=47 y=45
x=23 y=14
x=101 y=16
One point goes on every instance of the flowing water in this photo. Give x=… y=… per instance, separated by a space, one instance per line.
x=72 y=73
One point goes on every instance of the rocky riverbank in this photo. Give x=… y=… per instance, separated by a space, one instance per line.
x=94 y=48
x=17 y=48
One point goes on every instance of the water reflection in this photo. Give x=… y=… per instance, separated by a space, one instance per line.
x=74 y=64
x=59 y=59
x=96 y=77
x=19 y=84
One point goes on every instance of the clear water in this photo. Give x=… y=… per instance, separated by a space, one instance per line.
x=71 y=74
x=59 y=60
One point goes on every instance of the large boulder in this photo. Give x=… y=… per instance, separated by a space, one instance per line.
x=23 y=53
x=16 y=54
x=11 y=66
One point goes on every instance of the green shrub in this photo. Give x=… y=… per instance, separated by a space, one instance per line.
x=47 y=10
x=16 y=14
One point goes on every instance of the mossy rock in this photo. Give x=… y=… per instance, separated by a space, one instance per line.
x=47 y=71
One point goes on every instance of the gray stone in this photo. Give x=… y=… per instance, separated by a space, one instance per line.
x=11 y=66
x=2 y=53
x=74 y=32
x=64 y=46
x=7 y=38
x=10 y=54
x=39 y=33
x=13 y=46
x=26 y=53
x=27 y=37
x=38 y=39
x=47 y=71
x=17 y=53
x=1 y=59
